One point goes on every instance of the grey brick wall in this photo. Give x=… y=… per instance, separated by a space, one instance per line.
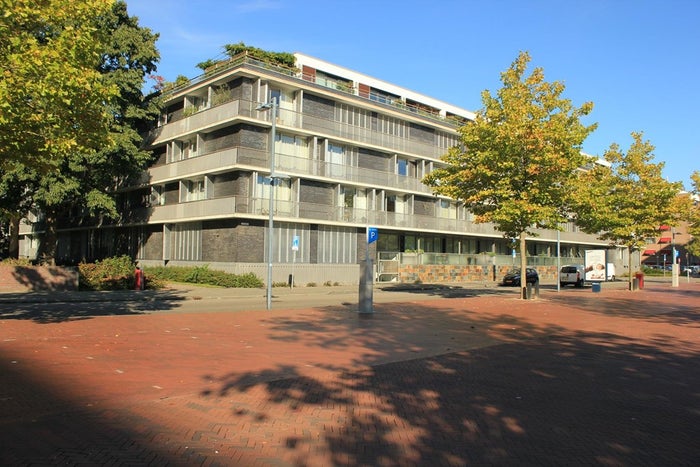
x=424 y=206
x=171 y=193
x=368 y=159
x=422 y=134
x=154 y=242
x=222 y=138
x=250 y=242
x=319 y=107
x=224 y=184
x=219 y=240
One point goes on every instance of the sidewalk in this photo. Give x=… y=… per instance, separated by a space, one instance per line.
x=478 y=378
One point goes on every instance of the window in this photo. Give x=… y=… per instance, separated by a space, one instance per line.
x=189 y=148
x=292 y=151
x=402 y=166
x=193 y=190
x=447 y=209
x=157 y=197
x=347 y=196
x=282 y=194
x=383 y=97
x=337 y=158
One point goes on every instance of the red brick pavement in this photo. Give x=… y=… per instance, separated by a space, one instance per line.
x=574 y=378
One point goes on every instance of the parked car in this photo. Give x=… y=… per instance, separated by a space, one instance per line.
x=513 y=277
x=572 y=274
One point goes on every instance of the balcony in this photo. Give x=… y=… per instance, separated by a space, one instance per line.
x=290 y=211
x=346 y=87
x=239 y=108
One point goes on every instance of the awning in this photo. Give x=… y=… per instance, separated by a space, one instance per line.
x=664 y=227
x=649 y=252
x=665 y=240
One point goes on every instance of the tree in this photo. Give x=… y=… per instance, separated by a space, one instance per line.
x=628 y=201
x=51 y=93
x=83 y=182
x=693 y=246
x=517 y=158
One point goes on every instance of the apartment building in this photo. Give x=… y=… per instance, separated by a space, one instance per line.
x=349 y=153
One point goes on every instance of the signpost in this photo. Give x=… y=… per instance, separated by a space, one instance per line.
x=366 y=277
x=295 y=248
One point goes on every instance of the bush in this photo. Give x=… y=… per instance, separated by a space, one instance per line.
x=115 y=273
x=118 y=274
x=16 y=262
x=201 y=275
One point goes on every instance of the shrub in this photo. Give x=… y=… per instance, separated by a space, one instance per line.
x=201 y=275
x=116 y=273
x=16 y=262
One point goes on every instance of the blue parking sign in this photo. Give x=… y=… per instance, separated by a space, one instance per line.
x=372 y=234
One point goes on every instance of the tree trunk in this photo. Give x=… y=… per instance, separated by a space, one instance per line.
x=629 y=268
x=14 y=237
x=523 y=267
x=47 y=248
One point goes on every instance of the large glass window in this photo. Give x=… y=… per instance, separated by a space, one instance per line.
x=447 y=209
x=282 y=194
x=292 y=151
x=338 y=159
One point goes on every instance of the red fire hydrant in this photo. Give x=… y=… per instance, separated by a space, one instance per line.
x=140 y=280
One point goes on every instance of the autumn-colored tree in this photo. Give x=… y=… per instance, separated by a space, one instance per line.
x=626 y=202
x=52 y=94
x=517 y=159
x=693 y=246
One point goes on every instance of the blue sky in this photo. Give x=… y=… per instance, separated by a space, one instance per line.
x=637 y=61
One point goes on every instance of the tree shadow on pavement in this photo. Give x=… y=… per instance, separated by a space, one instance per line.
x=673 y=306
x=80 y=305
x=480 y=389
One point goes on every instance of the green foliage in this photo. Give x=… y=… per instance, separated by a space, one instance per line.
x=628 y=201
x=281 y=59
x=116 y=273
x=693 y=217
x=201 y=275
x=51 y=94
x=516 y=159
x=284 y=59
x=83 y=178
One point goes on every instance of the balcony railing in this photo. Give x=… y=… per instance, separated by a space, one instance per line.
x=302 y=167
x=232 y=109
x=242 y=206
x=242 y=60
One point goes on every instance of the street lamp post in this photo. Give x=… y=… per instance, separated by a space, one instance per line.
x=272 y=106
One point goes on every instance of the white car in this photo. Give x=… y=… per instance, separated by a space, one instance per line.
x=572 y=274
